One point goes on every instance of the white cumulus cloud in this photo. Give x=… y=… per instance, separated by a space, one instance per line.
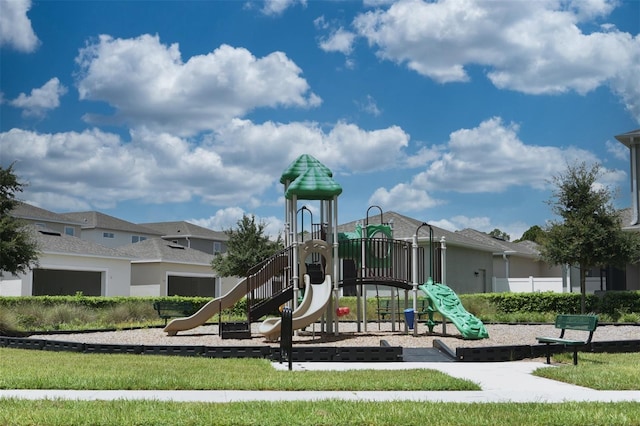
x=149 y=84
x=15 y=26
x=492 y=158
x=536 y=47
x=403 y=197
x=228 y=218
x=277 y=7
x=237 y=166
x=41 y=99
x=339 y=40
x=489 y=158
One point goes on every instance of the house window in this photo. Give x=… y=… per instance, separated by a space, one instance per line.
x=68 y=230
x=108 y=235
x=137 y=238
x=217 y=247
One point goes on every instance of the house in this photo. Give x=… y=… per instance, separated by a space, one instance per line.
x=191 y=236
x=45 y=219
x=108 y=230
x=630 y=275
x=98 y=255
x=518 y=267
x=161 y=267
x=627 y=278
x=512 y=259
x=68 y=265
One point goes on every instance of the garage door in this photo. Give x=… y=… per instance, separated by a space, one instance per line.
x=191 y=286
x=60 y=282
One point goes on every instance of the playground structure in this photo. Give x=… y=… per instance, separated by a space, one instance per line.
x=315 y=264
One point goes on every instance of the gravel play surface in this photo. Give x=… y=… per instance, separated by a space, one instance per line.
x=207 y=335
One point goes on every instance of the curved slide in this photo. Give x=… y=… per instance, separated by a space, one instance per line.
x=221 y=303
x=208 y=310
x=447 y=302
x=315 y=301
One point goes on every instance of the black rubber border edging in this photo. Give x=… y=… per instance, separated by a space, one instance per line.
x=381 y=353
x=299 y=354
x=520 y=352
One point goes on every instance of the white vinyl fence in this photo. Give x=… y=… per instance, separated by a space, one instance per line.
x=537 y=284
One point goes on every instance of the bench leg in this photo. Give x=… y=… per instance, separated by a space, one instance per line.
x=575 y=355
x=548 y=354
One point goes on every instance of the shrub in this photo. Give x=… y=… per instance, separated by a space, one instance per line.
x=128 y=313
x=31 y=316
x=630 y=317
x=616 y=303
x=8 y=322
x=62 y=316
x=478 y=305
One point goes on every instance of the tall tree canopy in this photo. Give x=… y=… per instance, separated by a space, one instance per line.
x=535 y=234
x=501 y=235
x=589 y=232
x=247 y=246
x=19 y=251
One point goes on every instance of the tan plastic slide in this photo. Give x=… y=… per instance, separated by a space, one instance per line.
x=315 y=301
x=207 y=311
x=223 y=302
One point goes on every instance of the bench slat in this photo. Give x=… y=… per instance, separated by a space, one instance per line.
x=577 y=322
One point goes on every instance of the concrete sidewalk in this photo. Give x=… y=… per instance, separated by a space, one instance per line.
x=500 y=382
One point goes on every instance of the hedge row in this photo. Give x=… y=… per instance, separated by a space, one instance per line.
x=100 y=302
x=610 y=302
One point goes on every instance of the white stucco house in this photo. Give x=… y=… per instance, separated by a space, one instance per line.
x=133 y=261
x=161 y=267
x=68 y=265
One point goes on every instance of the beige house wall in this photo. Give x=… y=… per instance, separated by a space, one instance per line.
x=150 y=278
x=468 y=270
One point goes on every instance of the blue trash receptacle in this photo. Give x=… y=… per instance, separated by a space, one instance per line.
x=409 y=316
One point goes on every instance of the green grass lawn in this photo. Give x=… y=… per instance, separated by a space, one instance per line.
x=25 y=369
x=600 y=371
x=344 y=413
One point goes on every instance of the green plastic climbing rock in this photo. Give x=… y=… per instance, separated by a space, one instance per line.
x=447 y=302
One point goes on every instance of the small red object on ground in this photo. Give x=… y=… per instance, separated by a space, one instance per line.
x=342 y=311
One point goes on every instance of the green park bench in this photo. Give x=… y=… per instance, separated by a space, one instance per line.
x=586 y=323
x=171 y=309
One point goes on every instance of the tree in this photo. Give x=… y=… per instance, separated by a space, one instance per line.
x=589 y=233
x=19 y=250
x=496 y=233
x=247 y=246
x=535 y=234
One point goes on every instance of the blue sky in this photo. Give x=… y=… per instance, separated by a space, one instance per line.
x=455 y=112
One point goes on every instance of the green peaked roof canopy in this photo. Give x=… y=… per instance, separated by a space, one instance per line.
x=302 y=164
x=314 y=184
